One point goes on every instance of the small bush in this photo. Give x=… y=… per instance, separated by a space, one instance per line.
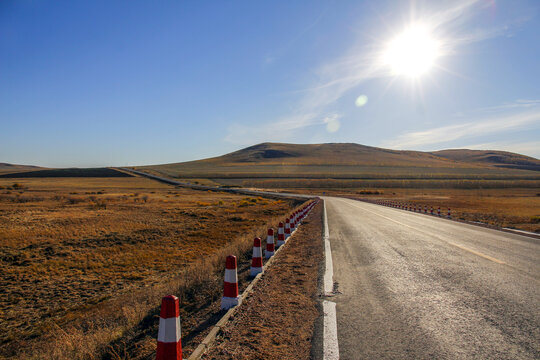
x=74 y=200
x=243 y=203
x=535 y=219
x=98 y=205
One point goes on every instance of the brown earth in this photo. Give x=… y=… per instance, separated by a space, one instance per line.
x=276 y=321
x=85 y=261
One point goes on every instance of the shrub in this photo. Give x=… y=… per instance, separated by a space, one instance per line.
x=98 y=205
x=74 y=200
x=243 y=203
x=535 y=219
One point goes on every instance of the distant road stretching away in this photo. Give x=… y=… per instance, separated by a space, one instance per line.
x=419 y=287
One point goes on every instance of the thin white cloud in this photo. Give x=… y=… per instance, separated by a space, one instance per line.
x=280 y=130
x=361 y=63
x=520 y=103
x=444 y=134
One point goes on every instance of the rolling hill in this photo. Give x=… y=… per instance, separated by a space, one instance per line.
x=6 y=168
x=495 y=158
x=351 y=161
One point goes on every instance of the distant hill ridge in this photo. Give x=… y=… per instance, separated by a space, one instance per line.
x=10 y=168
x=356 y=154
x=345 y=160
x=491 y=157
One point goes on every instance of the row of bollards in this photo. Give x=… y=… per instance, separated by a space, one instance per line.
x=169 y=344
x=411 y=207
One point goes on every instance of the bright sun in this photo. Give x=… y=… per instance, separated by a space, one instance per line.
x=413 y=52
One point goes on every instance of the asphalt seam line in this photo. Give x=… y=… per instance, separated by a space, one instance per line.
x=330 y=339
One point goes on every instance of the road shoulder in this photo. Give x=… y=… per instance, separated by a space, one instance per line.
x=277 y=320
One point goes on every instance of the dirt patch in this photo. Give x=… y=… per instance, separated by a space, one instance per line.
x=277 y=319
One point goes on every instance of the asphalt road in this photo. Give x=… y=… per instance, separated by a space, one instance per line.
x=419 y=287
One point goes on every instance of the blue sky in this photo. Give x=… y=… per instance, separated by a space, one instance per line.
x=94 y=83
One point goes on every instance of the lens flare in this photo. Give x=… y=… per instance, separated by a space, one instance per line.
x=361 y=100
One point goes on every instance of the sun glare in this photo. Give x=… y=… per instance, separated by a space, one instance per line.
x=413 y=52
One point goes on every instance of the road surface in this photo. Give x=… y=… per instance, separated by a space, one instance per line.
x=413 y=286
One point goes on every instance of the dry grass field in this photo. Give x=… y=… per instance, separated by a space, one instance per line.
x=494 y=187
x=74 y=249
x=352 y=161
x=517 y=208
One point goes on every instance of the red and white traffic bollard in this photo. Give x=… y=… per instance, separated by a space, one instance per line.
x=230 y=284
x=287 y=228
x=439 y=211
x=280 y=235
x=256 y=259
x=432 y=210
x=169 y=343
x=425 y=209
x=270 y=248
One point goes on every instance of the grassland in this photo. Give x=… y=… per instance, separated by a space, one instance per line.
x=84 y=260
x=6 y=168
x=353 y=161
x=494 y=187
x=517 y=208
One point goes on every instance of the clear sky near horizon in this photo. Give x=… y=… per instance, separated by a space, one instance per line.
x=111 y=83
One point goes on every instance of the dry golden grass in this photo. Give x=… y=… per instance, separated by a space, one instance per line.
x=85 y=260
x=440 y=181
x=350 y=161
x=514 y=208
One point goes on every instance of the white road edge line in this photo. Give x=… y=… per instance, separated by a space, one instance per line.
x=330 y=339
x=330 y=346
x=329 y=270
